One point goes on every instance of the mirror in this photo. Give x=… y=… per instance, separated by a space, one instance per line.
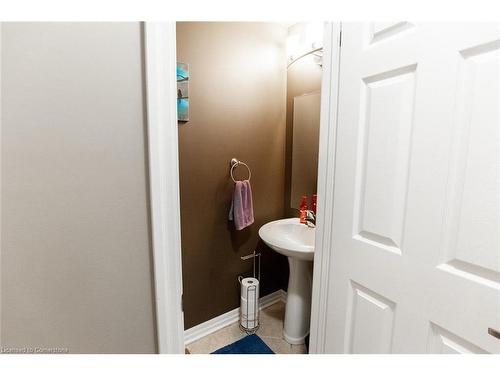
x=306 y=116
x=304 y=73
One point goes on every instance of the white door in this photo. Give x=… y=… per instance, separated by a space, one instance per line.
x=416 y=251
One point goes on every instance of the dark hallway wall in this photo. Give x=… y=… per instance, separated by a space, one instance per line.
x=237 y=109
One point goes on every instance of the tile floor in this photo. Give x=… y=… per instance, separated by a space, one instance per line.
x=270 y=331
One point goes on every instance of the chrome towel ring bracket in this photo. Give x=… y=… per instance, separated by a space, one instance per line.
x=235 y=163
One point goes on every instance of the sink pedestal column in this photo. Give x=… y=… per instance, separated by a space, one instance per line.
x=298 y=301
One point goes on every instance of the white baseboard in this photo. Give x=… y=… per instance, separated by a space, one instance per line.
x=201 y=330
x=271 y=299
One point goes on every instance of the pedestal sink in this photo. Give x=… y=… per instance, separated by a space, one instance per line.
x=296 y=241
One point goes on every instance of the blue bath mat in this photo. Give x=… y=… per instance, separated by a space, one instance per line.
x=251 y=344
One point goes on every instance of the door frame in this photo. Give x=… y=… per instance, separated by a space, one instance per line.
x=161 y=103
x=161 y=94
x=326 y=178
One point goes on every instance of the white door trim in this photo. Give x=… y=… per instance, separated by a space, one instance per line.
x=160 y=56
x=161 y=92
x=326 y=176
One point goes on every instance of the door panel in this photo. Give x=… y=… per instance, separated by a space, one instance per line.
x=380 y=31
x=369 y=315
x=416 y=252
x=444 y=342
x=474 y=206
x=383 y=149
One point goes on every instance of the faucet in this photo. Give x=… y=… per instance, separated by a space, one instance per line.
x=310 y=219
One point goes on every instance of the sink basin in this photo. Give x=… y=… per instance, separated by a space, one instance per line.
x=296 y=241
x=290 y=238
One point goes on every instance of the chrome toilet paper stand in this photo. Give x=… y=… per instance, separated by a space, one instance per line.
x=244 y=318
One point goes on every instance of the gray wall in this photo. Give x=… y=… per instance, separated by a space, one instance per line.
x=237 y=94
x=75 y=243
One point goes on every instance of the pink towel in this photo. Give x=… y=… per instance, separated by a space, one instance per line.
x=241 y=211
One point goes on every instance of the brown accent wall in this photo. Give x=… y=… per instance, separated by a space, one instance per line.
x=237 y=109
x=303 y=77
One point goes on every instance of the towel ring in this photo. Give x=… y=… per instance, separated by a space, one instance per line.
x=234 y=163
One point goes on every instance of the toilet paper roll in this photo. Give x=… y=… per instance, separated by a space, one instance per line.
x=249 y=308
x=247 y=288
x=249 y=313
x=249 y=302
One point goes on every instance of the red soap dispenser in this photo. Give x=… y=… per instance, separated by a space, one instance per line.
x=303 y=209
x=314 y=199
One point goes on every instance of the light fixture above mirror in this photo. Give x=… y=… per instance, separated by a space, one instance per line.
x=303 y=39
